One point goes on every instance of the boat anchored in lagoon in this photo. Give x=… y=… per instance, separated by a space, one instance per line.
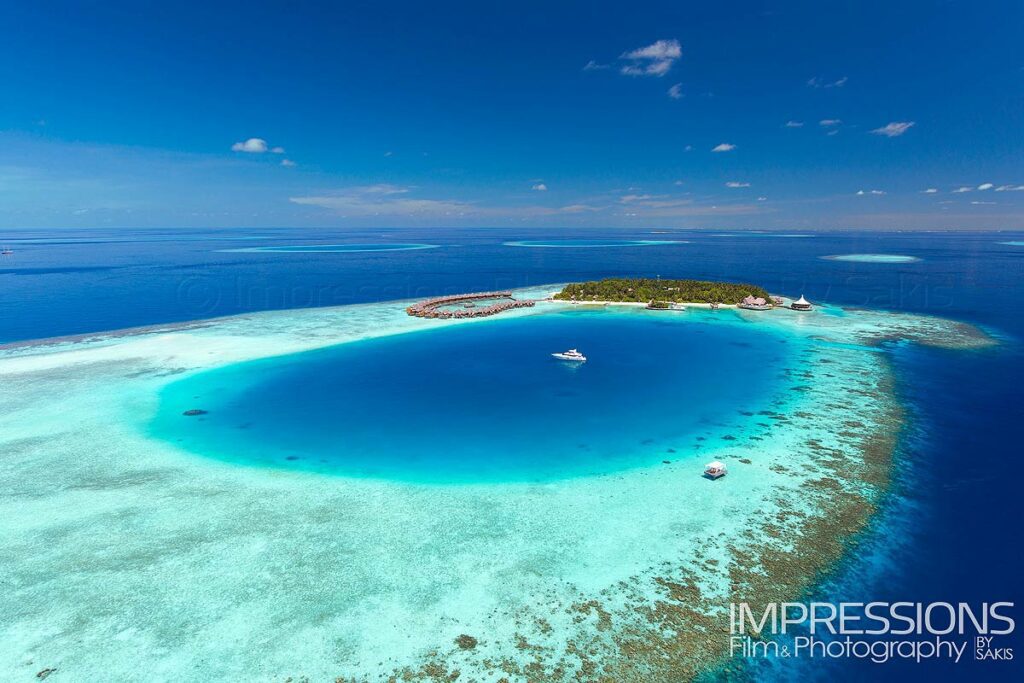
x=571 y=355
x=714 y=470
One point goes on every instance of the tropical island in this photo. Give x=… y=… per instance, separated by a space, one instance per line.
x=645 y=290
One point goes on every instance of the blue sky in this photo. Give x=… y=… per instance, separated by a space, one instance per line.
x=872 y=115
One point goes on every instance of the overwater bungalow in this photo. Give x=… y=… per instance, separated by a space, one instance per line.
x=801 y=304
x=755 y=303
x=431 y=308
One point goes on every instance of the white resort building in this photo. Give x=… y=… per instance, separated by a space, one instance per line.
x=801 y=304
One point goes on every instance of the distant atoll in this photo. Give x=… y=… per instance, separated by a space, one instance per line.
x=872 y=258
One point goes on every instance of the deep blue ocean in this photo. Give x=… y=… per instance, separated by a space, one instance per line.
x=950 y=531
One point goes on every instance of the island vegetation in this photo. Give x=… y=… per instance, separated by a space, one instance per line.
x=660 y=291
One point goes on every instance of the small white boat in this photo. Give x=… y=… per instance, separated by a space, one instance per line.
x=714 y=470
x=571 y=354
x=6 y=251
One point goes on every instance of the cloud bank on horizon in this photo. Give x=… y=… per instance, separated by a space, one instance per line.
x=662 y=119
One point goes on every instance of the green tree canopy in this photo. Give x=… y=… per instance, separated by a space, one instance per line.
x=645 y=290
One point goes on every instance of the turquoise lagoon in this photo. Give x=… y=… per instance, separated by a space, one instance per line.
x=486 y=402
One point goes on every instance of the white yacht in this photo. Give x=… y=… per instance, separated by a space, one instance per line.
x=714 y=470
x=571 y=354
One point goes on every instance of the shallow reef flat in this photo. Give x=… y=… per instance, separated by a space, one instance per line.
x=873 y=258
x=126 y=558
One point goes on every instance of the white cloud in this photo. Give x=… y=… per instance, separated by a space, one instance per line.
x=894 y=129
x=669 y=205
x=794 y=124
x=277 y=150
x=723 y=147
x=986 y=186
x=930 y=190
x=288 y=163
x=631 y=198
x=677 y=208
x=382 y=199
x=819 y=82
x=861 y=193
x=733 y=183
x=578 y=208
x=762 y=199
x=828 y=123
x=678 y=183
x=654 y=60
x=594 y=66
x=252 y=146
x=983 y=203
x=962 y=189
x=1010 y=188
x=676 y=91
x=393 y=200
x=654 y=201
x=540 y=187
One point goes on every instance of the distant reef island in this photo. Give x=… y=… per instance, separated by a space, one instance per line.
x=660 y=293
